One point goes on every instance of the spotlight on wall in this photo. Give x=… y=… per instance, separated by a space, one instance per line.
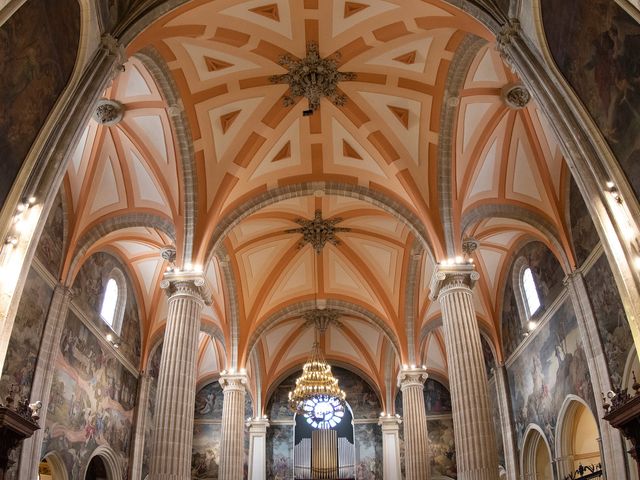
x=532 y=325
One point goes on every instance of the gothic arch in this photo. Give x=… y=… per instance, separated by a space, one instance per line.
x=535 y=442
x=111 y=462
x=58 y=470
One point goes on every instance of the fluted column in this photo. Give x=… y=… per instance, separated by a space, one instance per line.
x=232 y=433
x=476 y=453
x=43 y=376
x=175 y=401
x=141 y=420
x=258 y=448
x=416 y=440
x=390 y=447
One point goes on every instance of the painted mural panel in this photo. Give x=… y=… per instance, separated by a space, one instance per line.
x=368 y=451
x=90 y=284
x=442 y=447
x=548 y=276
x=92 y=400
x=209 y=400
x=24 y=345
x=495 y=415
x=113 y=12
x=595 y=44
x=612 y=322
x=50 y=246
x=280 y=452
x=554 y=353
x=153 y=372
x=205 y=459
x=583 y=232
x=29 y=49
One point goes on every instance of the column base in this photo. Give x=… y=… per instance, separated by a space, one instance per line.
x=480 y=474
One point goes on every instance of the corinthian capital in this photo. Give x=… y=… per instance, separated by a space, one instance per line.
x=233 y=382
x=193 y=284
x=412 y=377
x=450 y=277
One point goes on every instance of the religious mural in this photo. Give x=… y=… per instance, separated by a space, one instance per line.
x=92 y=400
x=595 y=45
x=40 y=70
x=550 y=367
x=89 y=287
x=280 y=452
x=50 y=246
x=113 y=12
x=548 y=276
x=584 y=233
x=368 y=450
x=612 y=322
x=205 y=458
x=495 y=416
x=153 y=371
x=436 y=397
x=24 y=345
x=442 y=447
x=487 y=355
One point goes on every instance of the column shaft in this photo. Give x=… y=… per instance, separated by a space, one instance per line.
x=476 y=453
x=506 y=423
x=258 y=449
x=140 y=426
x=416 y=440
x=232 y=432
x=173 y=432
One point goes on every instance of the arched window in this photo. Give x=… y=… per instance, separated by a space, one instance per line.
x=113 y=300
x=109 y=302
x=532 y=300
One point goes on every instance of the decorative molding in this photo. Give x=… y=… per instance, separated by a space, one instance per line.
x=194 y=284
x=321 y=318
x=108 y=112
x=313 y=78
x=233 y=382
x=412 y=377
x=516 y=96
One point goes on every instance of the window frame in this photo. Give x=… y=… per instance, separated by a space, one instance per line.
x=526 y=316
x=118 y=277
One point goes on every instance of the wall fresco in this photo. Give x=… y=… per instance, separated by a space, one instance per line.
x=497 y=423
x=549 y=368
x=368 y=451
x=24 y=345
x=612 y=322
x=280 y=452
x=548 y=276
x=89 y=286
x=50 y=246
x=595 y=45
x=30 y=49
x=583 y=232
x=92 y=400
x=153 y=371
x=442 y=447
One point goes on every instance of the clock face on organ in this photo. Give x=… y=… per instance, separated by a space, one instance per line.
x=323 y=411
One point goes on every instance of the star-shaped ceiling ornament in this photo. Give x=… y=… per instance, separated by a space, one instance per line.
x=318 y=231
x=312 y=77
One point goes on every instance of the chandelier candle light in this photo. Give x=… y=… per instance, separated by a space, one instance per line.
x=317 y=395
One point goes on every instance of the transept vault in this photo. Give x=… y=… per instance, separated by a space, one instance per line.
x=441 y=182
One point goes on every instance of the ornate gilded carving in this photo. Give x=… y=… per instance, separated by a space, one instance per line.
x=312 y=77
x=322 y=318
x=318 y=231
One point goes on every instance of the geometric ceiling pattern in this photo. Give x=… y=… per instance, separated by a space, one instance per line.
x=374 y=162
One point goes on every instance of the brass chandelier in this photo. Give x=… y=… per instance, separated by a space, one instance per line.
x=316 y=381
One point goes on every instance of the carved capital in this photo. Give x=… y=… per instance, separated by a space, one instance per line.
x=507 y=34
x=233 y=382
x=390 y=423
x=114 y=48
x=412 y=377
x=258 y=425
x=181 y=284
x=447 y=278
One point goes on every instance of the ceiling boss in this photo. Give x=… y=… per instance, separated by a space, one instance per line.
x=312 y=77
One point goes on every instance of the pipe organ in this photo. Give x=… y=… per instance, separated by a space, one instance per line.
x=324 y=457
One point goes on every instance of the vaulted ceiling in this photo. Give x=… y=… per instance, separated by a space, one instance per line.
x=209 y=159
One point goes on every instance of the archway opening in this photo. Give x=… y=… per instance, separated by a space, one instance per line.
x=51 y=467
x=536 y=457
x=584 y=441
x=97 y=470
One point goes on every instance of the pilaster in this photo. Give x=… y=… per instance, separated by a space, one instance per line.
x=506 y=423
x=416 y=441
x=390 y=447
x=612 y=445
x=140 y=426
x=258 y=448
x=43 y=376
